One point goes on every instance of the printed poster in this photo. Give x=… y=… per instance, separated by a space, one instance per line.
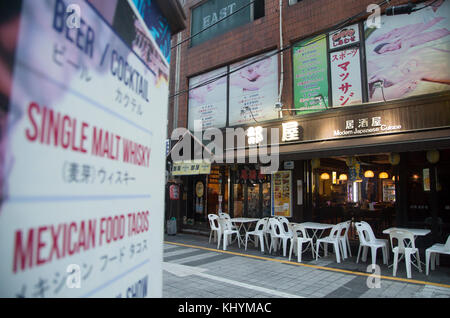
x=410 y=54
x=208 y=103
x=346 y=77
x=311 y=75
x=82 y=156
x=281 y=187
x=254 y=90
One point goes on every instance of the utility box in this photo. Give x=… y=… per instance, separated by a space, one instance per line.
x=172 y=226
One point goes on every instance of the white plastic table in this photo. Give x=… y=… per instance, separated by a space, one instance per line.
x=317 y=230
x=415 y=232
x=244 y=224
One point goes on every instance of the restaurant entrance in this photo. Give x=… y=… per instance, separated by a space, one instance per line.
x=410 y=189
x=358 y=188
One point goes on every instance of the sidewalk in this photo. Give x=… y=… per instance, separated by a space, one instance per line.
x=194 y=268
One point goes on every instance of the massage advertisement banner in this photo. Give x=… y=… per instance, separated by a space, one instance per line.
x=281 y=188
x=346 y=77
x=208 y=99
x=254 y=90
x=409 y=54
x=82 y=154
x=311 y=75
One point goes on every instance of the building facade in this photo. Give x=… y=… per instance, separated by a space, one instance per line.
x=356 y=104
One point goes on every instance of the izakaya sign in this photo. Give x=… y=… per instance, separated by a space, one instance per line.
x=82 y=161
x=368 y=125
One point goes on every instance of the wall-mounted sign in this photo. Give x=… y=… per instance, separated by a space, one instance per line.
x=174 y=192
x=346 y=77
x=254 y=90
x=281 y=188
x=311 y=75
x=210 y=12
x=363 y=126
x=345 y=36
x=191 y=168
x=199 y=189
x=409 y=54
x=208 y=103
x=291 y=131
x=289 y=165
x=255 y=135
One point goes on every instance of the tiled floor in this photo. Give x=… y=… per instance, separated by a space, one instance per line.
x=194 y=268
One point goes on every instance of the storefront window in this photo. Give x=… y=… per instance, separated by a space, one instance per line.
x=359 y=188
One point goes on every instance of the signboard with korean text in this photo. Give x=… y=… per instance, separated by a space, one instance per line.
x=191 y=168
x=409 y=54
x=311 y=75
x=208 y=103
x=82 y=155
x=346 y=36
x=281 y=188
x=346 y=77
x=253 y=90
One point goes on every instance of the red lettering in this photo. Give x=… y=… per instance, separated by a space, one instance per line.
x=23 y=255
x=32 y=136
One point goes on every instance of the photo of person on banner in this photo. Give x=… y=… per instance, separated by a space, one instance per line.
x=409 y=55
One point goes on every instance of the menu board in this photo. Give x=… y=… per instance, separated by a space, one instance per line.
x=82 y=159
x=311 y=75
x=282 y=193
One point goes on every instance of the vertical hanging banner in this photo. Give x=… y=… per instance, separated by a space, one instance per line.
x=346 y=77
x=311 y=75
x=82 y=154
x=208 y=99
x=254 y=90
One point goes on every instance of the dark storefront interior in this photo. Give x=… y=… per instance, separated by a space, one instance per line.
x=385 y=190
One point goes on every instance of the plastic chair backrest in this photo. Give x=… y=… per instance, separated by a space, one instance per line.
x=227 y=224
x=447 y=244
x=285 y=224
x=224 y=215
x=261 y=225
x=275 y=227
x=335 y=231
x=300 y=231
x=344 y=228
x=404 y=238
x=214 y=222
x=365 y=232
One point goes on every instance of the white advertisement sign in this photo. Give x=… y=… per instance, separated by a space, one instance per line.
x=346 y=77
x=208 y=103
x=83 y=162
x=254 y=91
x=345 y=36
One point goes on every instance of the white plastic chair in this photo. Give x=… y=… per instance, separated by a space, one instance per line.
x=226 y=216
x=406 y=246
x=228 y=232
x=343 y=239
x=278 y=232
x=332 y=238
x=215 y=227
x=434 y=252
x=259 y=231
x=300 y=236
x=367 y=239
